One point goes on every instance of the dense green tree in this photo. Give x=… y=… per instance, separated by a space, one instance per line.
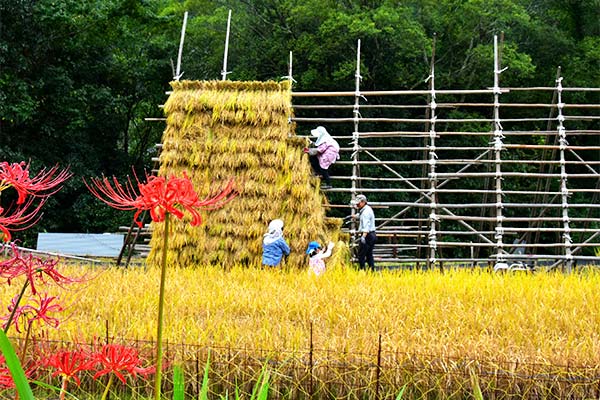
x=76 y=80
x=78 y=77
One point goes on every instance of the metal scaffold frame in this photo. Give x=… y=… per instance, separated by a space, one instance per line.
x=530 y=198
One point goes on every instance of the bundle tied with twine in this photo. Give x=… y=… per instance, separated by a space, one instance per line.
x=218 y=130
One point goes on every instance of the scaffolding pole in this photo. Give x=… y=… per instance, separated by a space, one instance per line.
x=355 y=136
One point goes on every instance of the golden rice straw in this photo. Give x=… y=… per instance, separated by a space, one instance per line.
x=217 y=130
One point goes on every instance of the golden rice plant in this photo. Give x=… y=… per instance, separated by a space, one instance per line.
x=543 y=318
x=217 y=130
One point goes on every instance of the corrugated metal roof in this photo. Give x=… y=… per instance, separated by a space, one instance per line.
x=81 y=244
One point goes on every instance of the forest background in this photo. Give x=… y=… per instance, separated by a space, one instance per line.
x=77 y=78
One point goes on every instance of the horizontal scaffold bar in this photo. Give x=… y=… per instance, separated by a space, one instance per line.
x=528 y=220
x=437 y=105
x=423 y=134
x=455 y=191
x=469 y=148
x=482 y=205
x=479 y=244
x=552 y=88
x=512 y=175
x=438 y=120
x=507 y=231
x=392 y=93
x=467 y=161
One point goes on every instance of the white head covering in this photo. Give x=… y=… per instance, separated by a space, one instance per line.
x=322 y=135
x=274 y=231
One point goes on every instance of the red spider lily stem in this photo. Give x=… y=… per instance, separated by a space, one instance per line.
x=110 y=380
x=15 y=307
x=63 y=387
x=26 y=343
x=161 y=302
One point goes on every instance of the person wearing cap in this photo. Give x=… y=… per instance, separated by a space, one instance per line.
x=325 y=153
x=274 y=245
x=316 y=263
x=366 y=231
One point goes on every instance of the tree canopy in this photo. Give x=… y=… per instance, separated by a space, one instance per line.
x=78 y=78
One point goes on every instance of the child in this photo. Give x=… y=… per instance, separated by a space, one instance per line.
x=316 y=256
x=274 y=245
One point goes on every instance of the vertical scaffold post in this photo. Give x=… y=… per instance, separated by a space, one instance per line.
x=563 y=144
x=224 y=72
x=178 y=72
x=289 y=76
x=433 y=219
x=355 y=135
x=498 y=146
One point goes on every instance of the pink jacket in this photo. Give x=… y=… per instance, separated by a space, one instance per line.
x=328 y=152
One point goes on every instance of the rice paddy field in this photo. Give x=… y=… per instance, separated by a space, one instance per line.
x=353 y=334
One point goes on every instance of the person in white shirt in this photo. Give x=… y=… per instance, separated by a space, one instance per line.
x=366 y=231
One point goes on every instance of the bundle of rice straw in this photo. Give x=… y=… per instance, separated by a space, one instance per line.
x=218 y=130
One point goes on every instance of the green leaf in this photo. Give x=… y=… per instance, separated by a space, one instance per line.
x=204 y=388
x=14 y=365
x=178 y=383
x=261 y=389
x=399 y=397
x=477 y=394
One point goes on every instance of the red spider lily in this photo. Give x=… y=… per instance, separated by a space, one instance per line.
x=117 y=359
x=33 y=268
x=6 y=380
x=68 y=364
x=160 y=196
x=31 y=313
x=22 y=217
x=15 y=314
x=43 y=306
x=45 y=183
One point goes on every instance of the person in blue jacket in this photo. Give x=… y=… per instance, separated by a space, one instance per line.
x=274 y=245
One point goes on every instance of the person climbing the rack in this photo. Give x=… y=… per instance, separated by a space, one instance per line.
x=325 y=153
x=366 y=232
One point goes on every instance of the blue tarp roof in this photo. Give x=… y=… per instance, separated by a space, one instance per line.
x=81 y=244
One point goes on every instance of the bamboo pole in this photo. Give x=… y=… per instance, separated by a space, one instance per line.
x=432 y=235
x=550 y=89
x=355 y=136
x=465 y=191
x=507 y=230
x=460 y=161
x=478 y=148
x=563 y=179
x=439 y=105
x=178 y=72
x=478 y=205
x=224 y=72
x=391 y=93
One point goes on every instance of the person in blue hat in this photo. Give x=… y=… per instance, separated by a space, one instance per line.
x=316 y=263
